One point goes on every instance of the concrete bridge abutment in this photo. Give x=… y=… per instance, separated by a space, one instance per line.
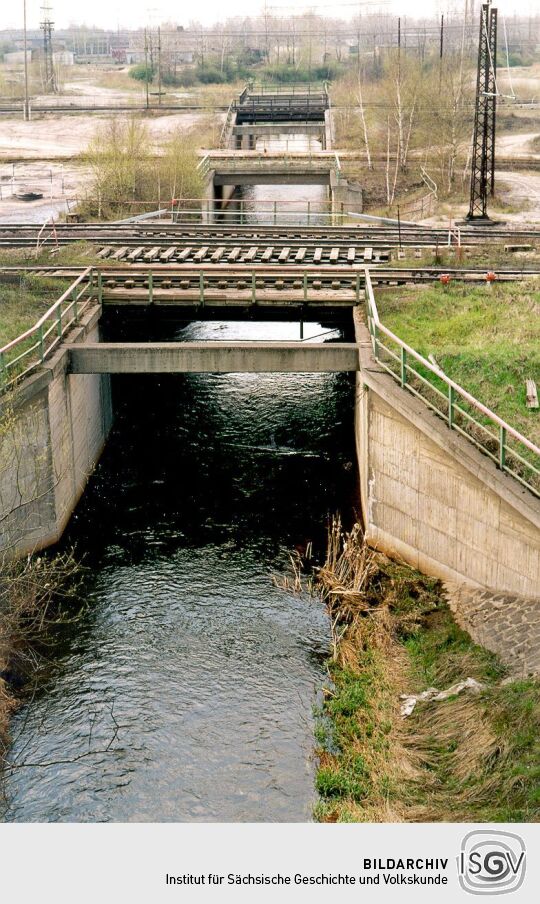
x=54 y=427
x=431 y=499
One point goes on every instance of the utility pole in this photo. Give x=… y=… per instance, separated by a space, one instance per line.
x=50 y=85
x=441 y=49
x=159 y=63
x=483 y=155
x=146 y=67
x=266 y=38
x=26 y=93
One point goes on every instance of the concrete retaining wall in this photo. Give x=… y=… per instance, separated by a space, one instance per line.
x=328 y=130
x=430 y=498
x=54 y=428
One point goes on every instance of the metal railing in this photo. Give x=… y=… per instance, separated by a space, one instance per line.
x=308 y=88
x=281 y=106
x=22 y=355
x=512 y=452
x=269 y=213
x=226 y=131
x=204 y=167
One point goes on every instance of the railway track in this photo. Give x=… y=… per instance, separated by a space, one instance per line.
x=237 y=285
x=13 y=233
x=289 y=246
x=379 y=274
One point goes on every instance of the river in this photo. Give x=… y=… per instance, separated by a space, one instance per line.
x=186 y=689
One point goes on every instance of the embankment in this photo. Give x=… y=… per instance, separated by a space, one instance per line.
x=468 y=755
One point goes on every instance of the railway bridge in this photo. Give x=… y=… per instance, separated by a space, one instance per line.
x=262 y=111
x=445 y=484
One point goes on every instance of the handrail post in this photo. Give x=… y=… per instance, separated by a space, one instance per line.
x=275 y=212
x=150 y=287
x=3 y=369
x=502 y=448
x=308 y=212
x=305 y=286
x=357 y=288
x=75 y=303
x=253 y=288
x=451 y=400
x=100 y=286
x=403 y=366
x=201 y=288
x=59 y=321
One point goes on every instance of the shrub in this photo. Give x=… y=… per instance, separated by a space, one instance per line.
x=142 y=73
x=288 y=75
x=128 y=177
x=519 y=59
x=184 y=78
x=210 y=75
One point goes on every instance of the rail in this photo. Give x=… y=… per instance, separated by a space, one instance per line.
x=22 y=355
x=512 y=452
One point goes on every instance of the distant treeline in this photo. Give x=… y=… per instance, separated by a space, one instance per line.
x=213 y=74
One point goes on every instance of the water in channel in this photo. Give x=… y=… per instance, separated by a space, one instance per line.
x=185 y=691
x=288 y=205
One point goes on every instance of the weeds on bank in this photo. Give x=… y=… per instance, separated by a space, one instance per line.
x=35 y=595
x=469 y=758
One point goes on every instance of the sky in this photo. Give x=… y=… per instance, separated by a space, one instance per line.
x=135 y=13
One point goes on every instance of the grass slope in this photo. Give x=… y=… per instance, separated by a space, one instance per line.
x=23 y=300
x=486 y=340
x=24 y=297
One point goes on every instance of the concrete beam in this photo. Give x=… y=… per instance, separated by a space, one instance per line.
x=212 y=357
x=291 y=128
x=275 y=176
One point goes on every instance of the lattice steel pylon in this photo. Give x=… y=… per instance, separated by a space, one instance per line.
x=483 y=154
x=50 y=85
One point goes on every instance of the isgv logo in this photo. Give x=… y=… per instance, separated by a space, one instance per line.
x=491 y=862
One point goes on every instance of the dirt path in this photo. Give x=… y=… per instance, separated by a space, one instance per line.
x=519 y=145
x=521 y=188
x=59 y=137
